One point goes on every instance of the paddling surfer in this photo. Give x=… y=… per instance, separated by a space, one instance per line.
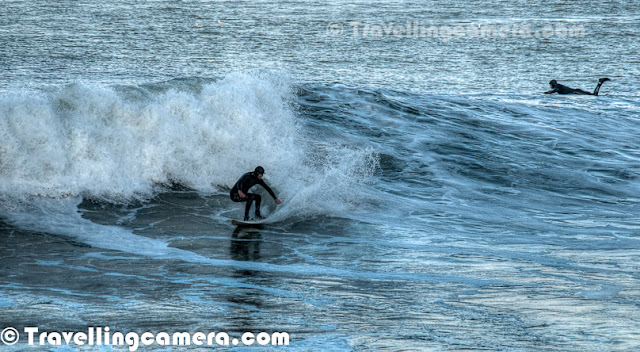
x=562 y=89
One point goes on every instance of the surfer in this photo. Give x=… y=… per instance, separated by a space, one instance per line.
x=239 y=191
x=561 y=89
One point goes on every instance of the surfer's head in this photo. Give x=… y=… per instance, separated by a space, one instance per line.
x=259 y=171
x=553 y=83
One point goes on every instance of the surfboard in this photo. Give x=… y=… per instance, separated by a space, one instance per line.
x=247 y=223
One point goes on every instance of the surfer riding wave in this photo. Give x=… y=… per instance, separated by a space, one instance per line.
x=239 y=191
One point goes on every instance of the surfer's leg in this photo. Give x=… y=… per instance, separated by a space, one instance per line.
x=246 y=210
x=248 y=207
x=249 y=199
x=600 y=81
x=236 y=198
x=258 y=199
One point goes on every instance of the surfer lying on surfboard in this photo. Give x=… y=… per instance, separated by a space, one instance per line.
x=239 y=191
x=561 y=89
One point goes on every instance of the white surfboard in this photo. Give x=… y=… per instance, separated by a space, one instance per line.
x=247 y=223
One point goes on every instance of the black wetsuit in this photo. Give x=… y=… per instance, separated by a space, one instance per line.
x=245 y=182
x=562 y=89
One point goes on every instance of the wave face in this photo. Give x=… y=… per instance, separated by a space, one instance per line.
x=326 y=149
x=528 y=162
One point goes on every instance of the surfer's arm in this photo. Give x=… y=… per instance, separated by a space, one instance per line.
x=264 y=185
x=554 y=90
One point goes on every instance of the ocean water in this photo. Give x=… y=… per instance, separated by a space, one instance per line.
x=432 y=198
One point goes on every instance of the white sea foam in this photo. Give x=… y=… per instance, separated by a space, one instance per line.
x=94 y=142
x=109 y=145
